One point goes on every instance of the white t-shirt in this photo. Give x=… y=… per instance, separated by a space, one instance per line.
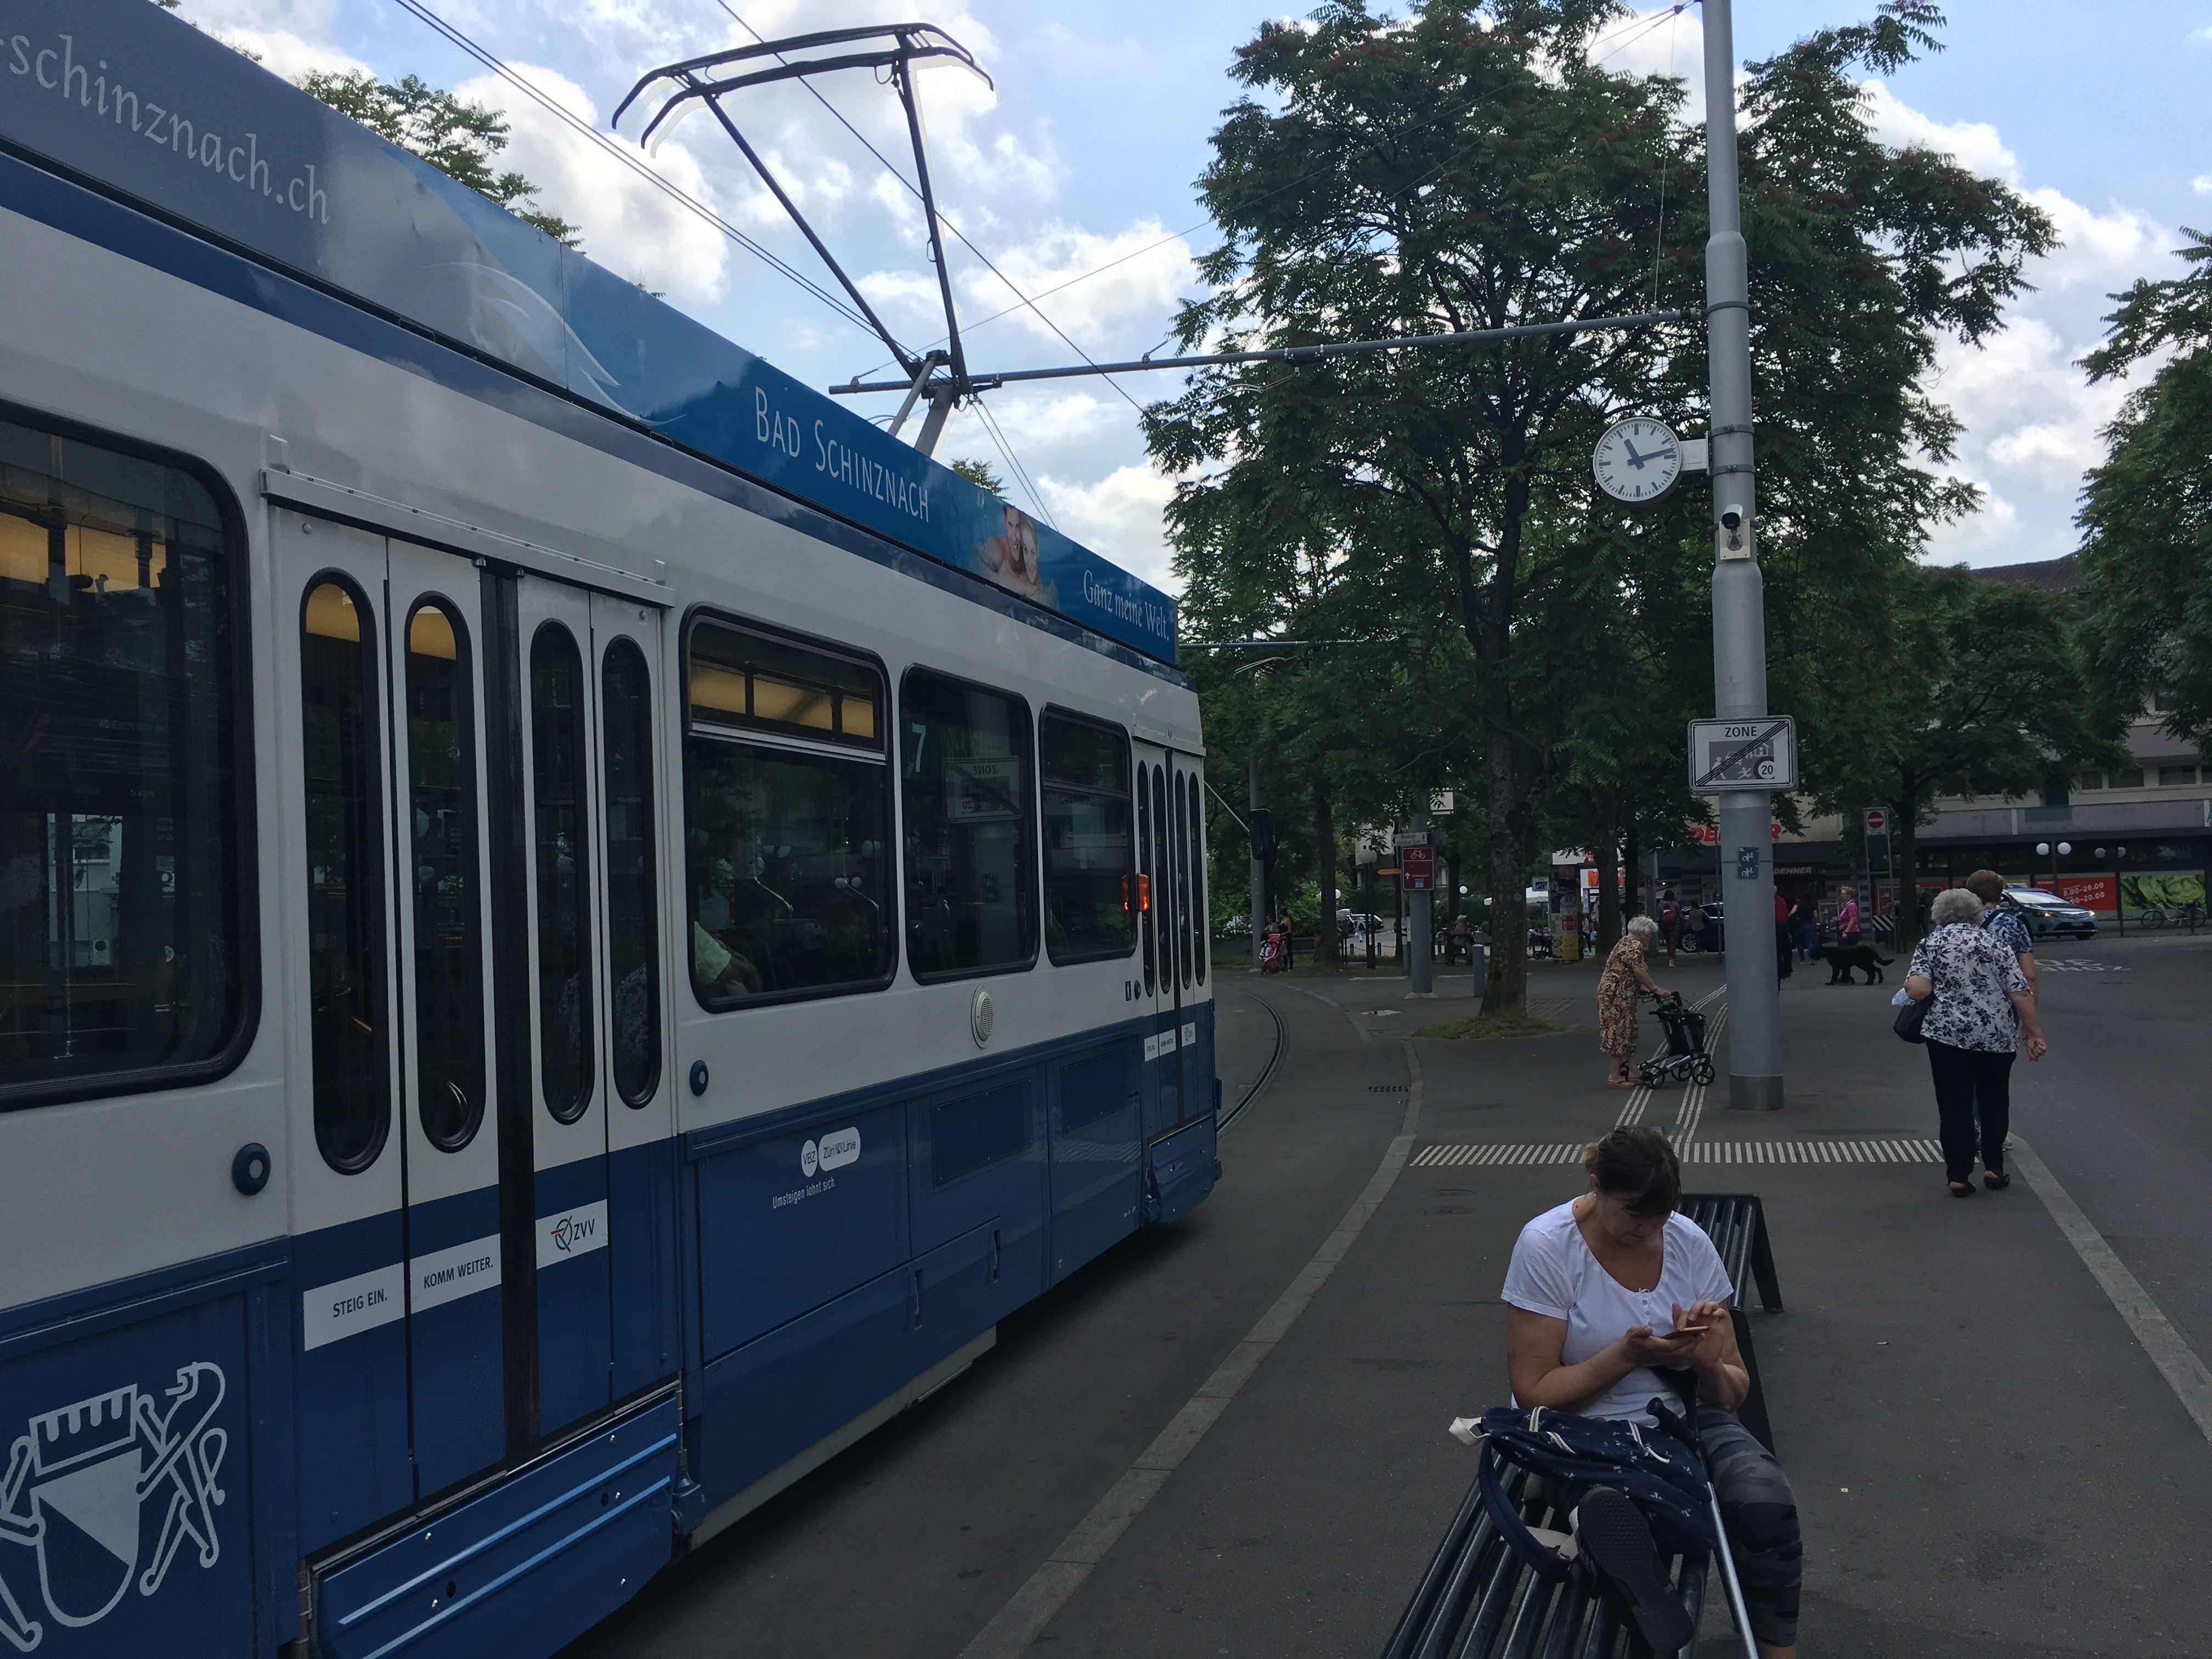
x=1554 y=1274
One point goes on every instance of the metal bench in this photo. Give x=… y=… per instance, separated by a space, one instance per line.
x=1478 y=1600
x=1736 y=1223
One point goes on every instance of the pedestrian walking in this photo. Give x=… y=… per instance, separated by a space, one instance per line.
x=1693 y=927
x=1983 y=1013
x=1618 y=986
x=1847 y=917
x=1459 y=942
x=1988 y=886
x=1808 y=929
x=1670 y=922
x=1784 y=911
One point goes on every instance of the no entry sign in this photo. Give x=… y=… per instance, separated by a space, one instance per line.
x=1877 y=821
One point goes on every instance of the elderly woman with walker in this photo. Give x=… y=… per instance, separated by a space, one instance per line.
x=1625 y=977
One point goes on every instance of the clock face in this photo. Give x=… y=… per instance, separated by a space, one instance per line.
x=1637 y=460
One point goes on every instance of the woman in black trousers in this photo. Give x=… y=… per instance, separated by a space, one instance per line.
x=1983 y=1013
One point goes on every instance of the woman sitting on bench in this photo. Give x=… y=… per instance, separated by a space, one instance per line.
x=1602 y=1291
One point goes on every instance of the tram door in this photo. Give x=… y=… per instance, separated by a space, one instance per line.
x=397 y=1137
x=596 y=1012
x=1170 y=936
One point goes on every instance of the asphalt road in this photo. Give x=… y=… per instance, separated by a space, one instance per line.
x=1987 y=1463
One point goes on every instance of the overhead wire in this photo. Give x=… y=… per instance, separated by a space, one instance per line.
x=943 y=217
x=622 y=154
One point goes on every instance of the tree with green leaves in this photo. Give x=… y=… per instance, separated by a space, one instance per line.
x=2146 y=513
x=459 y=138
x=1984 y=693
x=979 y=473
x=1464 y=167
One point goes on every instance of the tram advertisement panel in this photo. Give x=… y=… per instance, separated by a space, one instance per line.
x=127 y=93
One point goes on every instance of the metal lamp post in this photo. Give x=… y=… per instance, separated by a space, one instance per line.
x=1739 y=605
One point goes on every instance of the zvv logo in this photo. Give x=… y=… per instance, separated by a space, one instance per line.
x=88 y=1469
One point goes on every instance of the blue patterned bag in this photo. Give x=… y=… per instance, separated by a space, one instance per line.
x=1660 y=1474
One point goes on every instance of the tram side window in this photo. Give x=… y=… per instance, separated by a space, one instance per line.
x=122 y=947
x=1089 y=850
x=787 y=820
x=564 y=927
x=341 y=726
x=1182 y=843
x=1143 y=884
x=633 y=945
x=965 y=771
x=1200 y=919
x=442 y=783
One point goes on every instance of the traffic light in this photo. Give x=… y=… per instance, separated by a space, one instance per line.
x=1263 y=835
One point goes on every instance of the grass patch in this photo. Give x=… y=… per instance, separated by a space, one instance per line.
x=1494 y=1026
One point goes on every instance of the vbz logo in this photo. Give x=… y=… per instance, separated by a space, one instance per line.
x=88 y=1468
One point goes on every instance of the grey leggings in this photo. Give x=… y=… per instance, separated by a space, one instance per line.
x=1761 y=1513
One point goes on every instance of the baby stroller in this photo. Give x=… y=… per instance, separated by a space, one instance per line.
x=1683 y=1055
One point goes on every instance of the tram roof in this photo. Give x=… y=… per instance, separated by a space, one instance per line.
x=124 y=94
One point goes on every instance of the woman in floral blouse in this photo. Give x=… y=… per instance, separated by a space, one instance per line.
x=1617 y=987
x=1983 y=1011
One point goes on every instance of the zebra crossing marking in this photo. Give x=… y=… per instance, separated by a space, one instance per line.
x=1885 y=1150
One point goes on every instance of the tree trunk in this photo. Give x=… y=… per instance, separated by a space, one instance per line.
x=1326 y=937
x=1607 y=853
x=1506 y=964
x=1631 y=854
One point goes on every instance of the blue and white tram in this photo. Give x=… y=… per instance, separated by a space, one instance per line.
x=576 y=925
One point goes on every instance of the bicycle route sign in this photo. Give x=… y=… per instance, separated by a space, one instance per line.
x=1760 y=753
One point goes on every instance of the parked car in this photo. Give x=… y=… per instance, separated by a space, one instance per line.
x=2048 y=915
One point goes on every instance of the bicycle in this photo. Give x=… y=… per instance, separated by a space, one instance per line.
x=2190 y=915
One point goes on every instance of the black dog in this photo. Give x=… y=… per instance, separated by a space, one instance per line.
x=1842 y=959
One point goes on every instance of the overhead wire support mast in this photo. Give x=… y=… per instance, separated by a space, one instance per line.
x=693 y=83
x=1298 y=354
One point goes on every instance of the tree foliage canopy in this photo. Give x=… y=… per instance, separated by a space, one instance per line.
x=1464 y=167
x=2146 y=514
x=458 y=137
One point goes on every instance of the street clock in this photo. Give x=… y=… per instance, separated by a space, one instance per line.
x=1637 y=460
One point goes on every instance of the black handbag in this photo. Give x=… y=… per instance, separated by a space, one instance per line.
x=1910 y=1018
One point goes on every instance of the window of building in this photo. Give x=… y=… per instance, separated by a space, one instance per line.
x=123 y=946
x=565 y=1054
x=2175 y=777
x=2090 y=780
x=342 y=728
x=787 y=820
x=1089 y=855
x=441 y=784
x=633 y=936
x=967 y=772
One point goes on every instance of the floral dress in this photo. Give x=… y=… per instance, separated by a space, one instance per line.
x=1617 y=990
x=1976 y=975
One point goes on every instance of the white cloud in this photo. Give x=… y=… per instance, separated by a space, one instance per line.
x=629 y=226
x=1972 y=144
x=1147 y=268
x=1996 y=525
x=1118 y=517
x=2099 y=250
x=2201 y=184
x=290 y=37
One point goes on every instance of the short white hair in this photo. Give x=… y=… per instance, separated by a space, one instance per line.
x=1955 y=904
x=1640 y=926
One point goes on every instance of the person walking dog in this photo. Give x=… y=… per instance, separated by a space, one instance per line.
x=1983 y=1013
x=1847 y=917
x=1624 y=977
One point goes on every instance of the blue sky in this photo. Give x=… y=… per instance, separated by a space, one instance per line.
x=1086 y=155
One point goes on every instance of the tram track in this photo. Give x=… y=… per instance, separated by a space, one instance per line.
x=1267 y=1072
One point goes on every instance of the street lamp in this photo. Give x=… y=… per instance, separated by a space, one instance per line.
x=2043 y=849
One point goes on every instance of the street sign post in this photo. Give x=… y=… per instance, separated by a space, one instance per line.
x=1419 y=864
x=1758 y=753
x=1877 y=821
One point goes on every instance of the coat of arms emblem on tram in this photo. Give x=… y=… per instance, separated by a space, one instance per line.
x=74 y=1487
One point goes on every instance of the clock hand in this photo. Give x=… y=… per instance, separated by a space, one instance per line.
x=1634 y=459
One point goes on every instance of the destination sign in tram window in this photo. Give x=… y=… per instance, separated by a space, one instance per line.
x=122 y=951
x=966 y=768
x=788 y=824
